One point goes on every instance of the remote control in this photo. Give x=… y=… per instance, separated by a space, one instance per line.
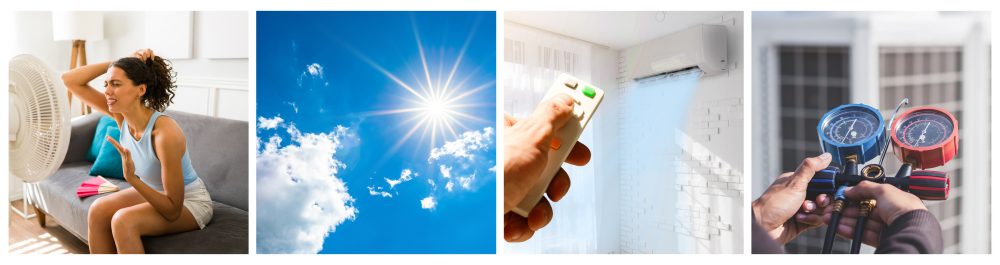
x=586 y=98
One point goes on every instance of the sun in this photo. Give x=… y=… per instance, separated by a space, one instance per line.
x=437 y=107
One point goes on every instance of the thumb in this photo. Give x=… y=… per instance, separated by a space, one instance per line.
x=864 y=190
x=551 y=115
x=809 y=167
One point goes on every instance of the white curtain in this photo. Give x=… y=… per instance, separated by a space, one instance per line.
x=532 y=61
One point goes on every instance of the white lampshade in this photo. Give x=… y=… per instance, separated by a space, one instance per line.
x=77 y=25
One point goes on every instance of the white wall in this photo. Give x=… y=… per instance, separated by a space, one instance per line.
x=215 y=87
x=710 y=168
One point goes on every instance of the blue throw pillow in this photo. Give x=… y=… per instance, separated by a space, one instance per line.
x=109 y=161
x=102 y=130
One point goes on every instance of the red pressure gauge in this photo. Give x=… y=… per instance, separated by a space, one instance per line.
x=928 y=135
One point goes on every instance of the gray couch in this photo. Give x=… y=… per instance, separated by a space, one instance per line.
x=218 y=148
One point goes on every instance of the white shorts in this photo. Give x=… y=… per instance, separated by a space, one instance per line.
x=197 y=201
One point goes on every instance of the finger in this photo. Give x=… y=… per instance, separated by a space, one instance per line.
x=547 y=118
x=803 y=174
x=540 y=215
x=559 y=186
x=115 y=144
x=823 y=200
x=865 y=190
x=509 y=121
x=516 y=230
x=809 y=206
x=579 y=155
x=810 y=219
x=870 y=236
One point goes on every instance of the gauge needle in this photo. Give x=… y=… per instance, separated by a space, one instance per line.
x=922 y=137
x=849 y=129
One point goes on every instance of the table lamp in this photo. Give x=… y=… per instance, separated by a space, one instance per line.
x=79 y=27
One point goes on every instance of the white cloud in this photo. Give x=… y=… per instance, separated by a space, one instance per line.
x=469 y=141
x=450 y=184
x=445 y=171
x=404 y=176
x=315 y=70
x=428 y=203
x=266 y=123
x=293 y=106
x=465 y=181
x=301 y=200
x=494 y=168
x=431 y=182
x=371 y=190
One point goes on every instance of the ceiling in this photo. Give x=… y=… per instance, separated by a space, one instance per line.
x=616 y=29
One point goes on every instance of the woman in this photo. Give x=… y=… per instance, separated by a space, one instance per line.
x=167 y=196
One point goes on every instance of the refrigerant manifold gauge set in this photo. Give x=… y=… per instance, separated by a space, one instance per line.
x=922 y=138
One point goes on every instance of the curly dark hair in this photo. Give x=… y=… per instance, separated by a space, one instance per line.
x=157 y=74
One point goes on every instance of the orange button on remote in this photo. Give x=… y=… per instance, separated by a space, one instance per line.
x=556 y=144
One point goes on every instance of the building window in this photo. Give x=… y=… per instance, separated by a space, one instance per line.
x=813 y=80
x=927 y=76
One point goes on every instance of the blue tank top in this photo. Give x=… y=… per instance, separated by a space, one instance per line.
x=147 y=165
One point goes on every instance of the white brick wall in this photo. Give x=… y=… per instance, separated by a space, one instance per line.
x=708 y=164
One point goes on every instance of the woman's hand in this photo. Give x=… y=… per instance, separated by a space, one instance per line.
x=127 y=166
x=143 y=54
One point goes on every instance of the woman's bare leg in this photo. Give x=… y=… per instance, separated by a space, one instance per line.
x=99 y=219
x=129 y=224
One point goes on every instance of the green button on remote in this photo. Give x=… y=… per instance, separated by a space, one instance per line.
x=589 y=91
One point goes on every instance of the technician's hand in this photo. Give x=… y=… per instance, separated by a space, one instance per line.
x=890 y=204
x=526 y=148
x=128 y=168
x=783 y=209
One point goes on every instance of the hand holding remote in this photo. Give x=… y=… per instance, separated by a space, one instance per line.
x=526 y=146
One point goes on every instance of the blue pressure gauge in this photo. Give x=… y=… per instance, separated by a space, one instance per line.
x=852 y=130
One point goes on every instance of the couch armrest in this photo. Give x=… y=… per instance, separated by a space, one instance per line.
x=81 y=137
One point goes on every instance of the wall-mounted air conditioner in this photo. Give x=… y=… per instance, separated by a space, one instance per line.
x=701 y=46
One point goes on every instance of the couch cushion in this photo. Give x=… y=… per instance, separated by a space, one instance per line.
x=219 y=150
x=227 y=232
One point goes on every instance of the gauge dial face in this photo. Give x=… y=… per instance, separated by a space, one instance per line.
x=850 y=126
x=924 y=129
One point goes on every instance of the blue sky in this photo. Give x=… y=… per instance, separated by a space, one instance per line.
x=346 y=161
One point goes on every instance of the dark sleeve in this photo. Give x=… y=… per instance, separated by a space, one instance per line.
x=916 y=232
x=762 y=243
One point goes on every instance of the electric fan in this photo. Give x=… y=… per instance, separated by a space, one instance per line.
x=39 y=123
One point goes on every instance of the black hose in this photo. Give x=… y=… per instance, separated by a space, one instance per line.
x=831 y=232
x=859 y=228
x=859 y=231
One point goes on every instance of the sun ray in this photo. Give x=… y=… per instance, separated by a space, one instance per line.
x=440 y=70
x=449 y=128
x=422 y=135
x=487 y=85
x=460 y=84
x=433 y=131
x=457 y=122
x=471 y=105
x=417 y=79
x=405 y=137
x=395 y=111
x=386 y=73
x=466 y=116
x=423 y=59
x=461 y=54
